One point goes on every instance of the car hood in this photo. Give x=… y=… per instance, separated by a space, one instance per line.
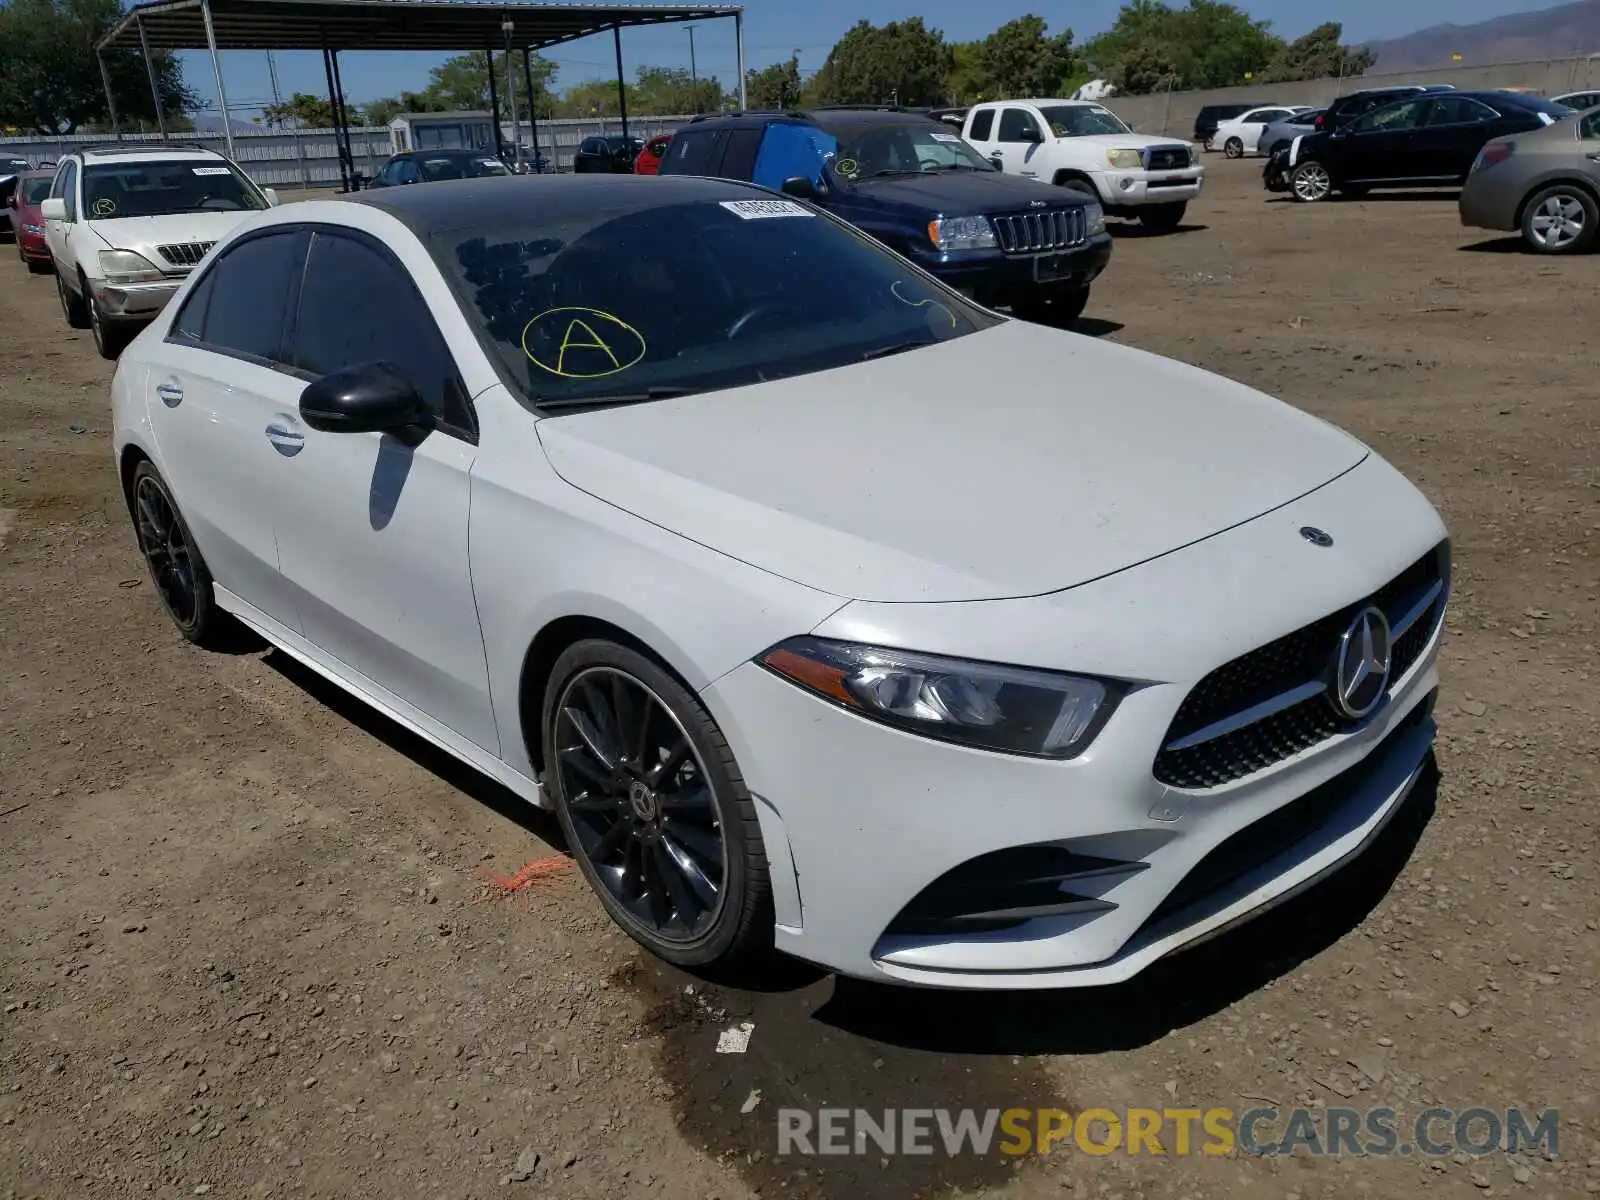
x=145 y=233
x=1122 y=141
x=1011 y=462
x=952 y=193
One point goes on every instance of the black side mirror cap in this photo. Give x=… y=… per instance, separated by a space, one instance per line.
x=800 y=188
x=370 y=398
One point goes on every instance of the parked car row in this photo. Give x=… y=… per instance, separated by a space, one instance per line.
x=1550 y=192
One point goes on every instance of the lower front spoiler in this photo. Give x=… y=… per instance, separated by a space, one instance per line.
x=1384 y=781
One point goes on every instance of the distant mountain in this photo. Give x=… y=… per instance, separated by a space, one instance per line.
x=1571 y=29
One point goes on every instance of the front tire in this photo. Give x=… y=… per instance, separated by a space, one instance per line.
x=1082 y=187
x=1562 y=219
x=1233 y=148
x=1163 y=218
x=1310 y=182
x=182 y=579
x=72 y=306
x=654 y=808
x=109 y=336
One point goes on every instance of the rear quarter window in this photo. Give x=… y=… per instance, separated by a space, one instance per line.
x=690 y=153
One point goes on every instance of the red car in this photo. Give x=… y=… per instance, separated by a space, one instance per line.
x=28 y=223
x=649 y=160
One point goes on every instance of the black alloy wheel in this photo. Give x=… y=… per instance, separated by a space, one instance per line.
x=181 y=577
x=653 y=807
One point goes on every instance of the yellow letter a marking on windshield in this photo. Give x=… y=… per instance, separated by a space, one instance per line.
x=595 y=342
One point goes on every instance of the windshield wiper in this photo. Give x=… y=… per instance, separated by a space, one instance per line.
x=892 y=348
x=609 y=399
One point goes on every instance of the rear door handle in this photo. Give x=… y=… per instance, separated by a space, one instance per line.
x=285 y=435
x=171 y=394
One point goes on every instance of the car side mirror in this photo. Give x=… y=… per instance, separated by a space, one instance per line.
x=272 y=197
x=371 y=398
x=53 y=208
x=799 y=187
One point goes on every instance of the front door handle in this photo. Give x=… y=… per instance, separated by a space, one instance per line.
x=171 y=394
x=285 y=435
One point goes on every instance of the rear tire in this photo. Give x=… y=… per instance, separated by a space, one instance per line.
x=1233 y=148
x=72 y=306
x=1163 y=217
x=181 y=577
x=654 y=809
x=1562 y=219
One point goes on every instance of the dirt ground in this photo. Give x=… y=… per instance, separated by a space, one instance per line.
x=253 y=945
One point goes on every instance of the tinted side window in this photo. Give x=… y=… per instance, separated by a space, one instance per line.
x=739 y=153
x=690 y=153
x=190 y=322
x=1591 y=125
x=1459 y=110
x=247 y=293
x=1015 y=124
x=1395 y=117
x=983 y=125
x=340 y=326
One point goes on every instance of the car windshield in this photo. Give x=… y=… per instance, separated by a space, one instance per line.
x=643 y=300
x=35 y=190
x=1082 y=120
x=154 y=189
x=878 y=150
x=460 y=166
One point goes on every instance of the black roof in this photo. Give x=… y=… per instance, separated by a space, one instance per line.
x=457 y=204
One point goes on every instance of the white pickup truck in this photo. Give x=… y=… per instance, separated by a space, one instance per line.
x=1085 y=146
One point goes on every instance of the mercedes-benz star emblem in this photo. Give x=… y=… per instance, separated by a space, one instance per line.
x=1361 y=670
x=1315 y=536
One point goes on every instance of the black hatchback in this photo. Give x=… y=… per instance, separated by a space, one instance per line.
x=606 y=154
x=1426 y=140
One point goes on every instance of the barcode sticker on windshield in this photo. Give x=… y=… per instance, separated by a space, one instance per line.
x=212 y=171
x=751 y=210
x=944 y=137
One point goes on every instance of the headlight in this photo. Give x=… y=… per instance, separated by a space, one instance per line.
x=962 y=233
x=1013 y=710
x=124 y=266
x=1125 y=160
x=1094 y=218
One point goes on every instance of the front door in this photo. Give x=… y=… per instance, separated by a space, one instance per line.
x=219 y=394
x=372 y=533
x=1376 y=148
x=1018 y=140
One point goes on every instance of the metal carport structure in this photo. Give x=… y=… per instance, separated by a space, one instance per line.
x=448 y=26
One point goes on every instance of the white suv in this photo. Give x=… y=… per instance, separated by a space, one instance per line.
x=127 y=221
x=1088 y=148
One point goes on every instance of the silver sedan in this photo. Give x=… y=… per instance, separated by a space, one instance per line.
x=1281 y=133
x=1544 y=184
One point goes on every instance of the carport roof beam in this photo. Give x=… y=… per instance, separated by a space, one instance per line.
x=448 y=26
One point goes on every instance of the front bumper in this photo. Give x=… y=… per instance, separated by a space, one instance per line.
x=859 y=820
x=133 y=301
x=1138 y=188
x=991 y=277
x=33 y=246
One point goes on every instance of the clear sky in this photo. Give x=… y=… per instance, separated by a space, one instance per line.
x=774 y=28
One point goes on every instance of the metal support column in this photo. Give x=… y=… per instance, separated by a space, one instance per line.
x=694 y=73
x=507 y=28
x=622 y=84
x=111 y=105
x=155 y=87
x=494 y=108
x=341 y=124
x=333 y=103
x=738 y=33
x=533 y=109
x=216 y=71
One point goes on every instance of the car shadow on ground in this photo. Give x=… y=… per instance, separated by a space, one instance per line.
x=1088 y=326
x=491 y=794
x=1171 y=994
x=1500 y=245
x=1134 y=231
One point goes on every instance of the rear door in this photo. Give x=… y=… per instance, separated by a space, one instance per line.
x=220 y=398
x=1453 y=130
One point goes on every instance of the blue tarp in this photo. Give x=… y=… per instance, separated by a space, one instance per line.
x=791 y=149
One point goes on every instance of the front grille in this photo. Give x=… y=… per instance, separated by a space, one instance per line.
x=1031 y=233
x=1167 y=158
x=1284 y=678
x=184 y=254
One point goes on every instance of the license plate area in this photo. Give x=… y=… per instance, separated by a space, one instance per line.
x=1050 y=267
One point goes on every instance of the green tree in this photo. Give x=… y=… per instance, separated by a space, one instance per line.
x=50 y=79
x=597 y=98
x=462 y=83
x=903 y=62
x=660 y=91
x=304 y=111
x=1317 y=55
x=1207 y=44
x=966 y=83
x=774 y=87
x=1018 y=59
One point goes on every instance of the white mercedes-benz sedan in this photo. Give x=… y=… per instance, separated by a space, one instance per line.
x=828 y=611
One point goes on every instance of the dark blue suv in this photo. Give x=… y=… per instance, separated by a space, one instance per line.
x=915 y=184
